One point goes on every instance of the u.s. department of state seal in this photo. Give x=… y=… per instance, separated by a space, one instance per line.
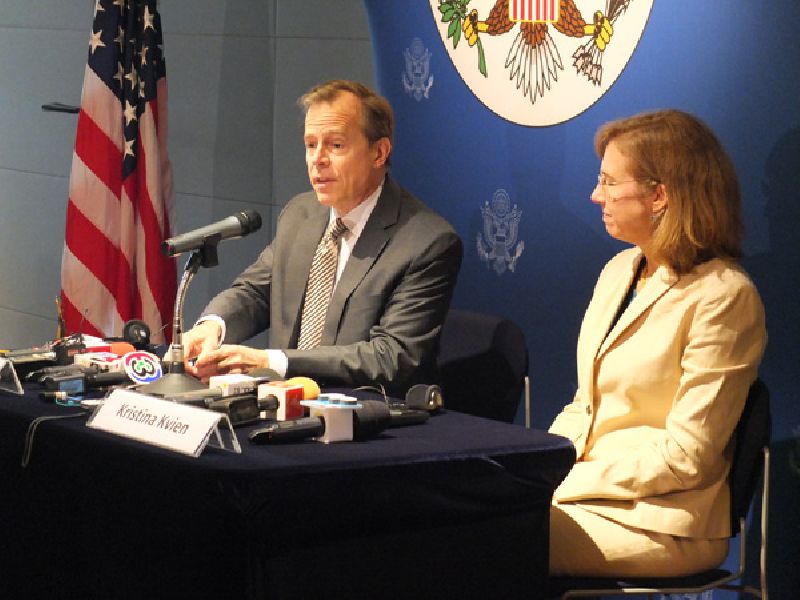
x=540 y=62
x=417 y=80
x=500 y=228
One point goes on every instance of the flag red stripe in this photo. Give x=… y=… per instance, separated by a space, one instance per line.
x=72 y=315
x=99 y=153
x=100 y=256
x=158 y=268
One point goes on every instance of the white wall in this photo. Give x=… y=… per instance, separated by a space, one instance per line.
x=235 y=69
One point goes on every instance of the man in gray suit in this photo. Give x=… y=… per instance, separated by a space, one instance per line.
x=396 y=268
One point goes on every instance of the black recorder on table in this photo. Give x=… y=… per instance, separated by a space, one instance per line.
x=368 y=421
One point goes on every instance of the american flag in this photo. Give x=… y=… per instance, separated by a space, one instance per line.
x=120 y=188
x=533 y=11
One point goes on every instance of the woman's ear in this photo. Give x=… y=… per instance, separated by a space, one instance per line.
x=661 y=201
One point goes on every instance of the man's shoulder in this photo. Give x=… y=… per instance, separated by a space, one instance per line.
x=301 y=206
x=414 y=213
x=303 y=199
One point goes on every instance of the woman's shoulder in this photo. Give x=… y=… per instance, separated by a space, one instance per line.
x=720 y=285
x=723 y=274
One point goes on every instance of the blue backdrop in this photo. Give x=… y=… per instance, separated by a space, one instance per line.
x=735 y=64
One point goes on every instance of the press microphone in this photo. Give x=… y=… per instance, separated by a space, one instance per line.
x=238 y=225
x=368 y=421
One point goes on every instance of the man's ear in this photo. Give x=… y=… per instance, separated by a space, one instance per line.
x=382 y=149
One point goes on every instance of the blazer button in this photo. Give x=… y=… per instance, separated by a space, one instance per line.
x=588 y=409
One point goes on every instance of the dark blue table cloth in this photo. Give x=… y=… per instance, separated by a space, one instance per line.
x=457 y=506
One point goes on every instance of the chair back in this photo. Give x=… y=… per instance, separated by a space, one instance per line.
x=751 y=434
x=483 y=362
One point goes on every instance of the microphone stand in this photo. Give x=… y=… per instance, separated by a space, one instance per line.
x=175 y=380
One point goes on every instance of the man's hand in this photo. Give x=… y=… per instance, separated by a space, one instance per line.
x=228 y=358
x=201 y=338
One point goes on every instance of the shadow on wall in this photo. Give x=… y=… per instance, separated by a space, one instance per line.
x=777 y=275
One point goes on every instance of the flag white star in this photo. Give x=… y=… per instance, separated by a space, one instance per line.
x=133 y=78
x=148 y=18
x=130 y=115
x=129 y=147
x=95 y=40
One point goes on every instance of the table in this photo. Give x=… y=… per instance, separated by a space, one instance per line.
x=455 y=507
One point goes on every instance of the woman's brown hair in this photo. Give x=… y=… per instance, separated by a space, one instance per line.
x=702 y=219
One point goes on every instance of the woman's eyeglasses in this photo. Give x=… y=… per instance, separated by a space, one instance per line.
x=606 y=186
x=604 y=183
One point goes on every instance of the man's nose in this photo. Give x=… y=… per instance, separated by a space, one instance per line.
x=319 y=156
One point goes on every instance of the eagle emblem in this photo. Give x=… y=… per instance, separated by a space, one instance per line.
x=417 y=80
x=540 y=69
x=500 y=227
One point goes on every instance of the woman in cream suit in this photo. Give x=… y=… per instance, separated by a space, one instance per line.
x=669 y=345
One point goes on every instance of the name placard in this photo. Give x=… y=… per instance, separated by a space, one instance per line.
x=170 y=425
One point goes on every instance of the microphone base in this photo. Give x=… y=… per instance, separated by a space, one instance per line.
x=172 y=384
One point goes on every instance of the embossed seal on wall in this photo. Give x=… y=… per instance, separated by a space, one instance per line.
x=417 y=78
x=499 y=237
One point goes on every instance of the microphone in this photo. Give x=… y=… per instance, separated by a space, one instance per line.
x=311 y=389
x=368 y=422
x=238 y=225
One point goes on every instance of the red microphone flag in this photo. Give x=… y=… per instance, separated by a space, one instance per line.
x=120 y=189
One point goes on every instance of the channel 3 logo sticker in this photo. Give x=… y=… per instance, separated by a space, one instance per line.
x=142 y=367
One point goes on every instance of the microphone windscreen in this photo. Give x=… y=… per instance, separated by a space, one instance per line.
x=310 y=387
x=121 y=348
x=250 y=220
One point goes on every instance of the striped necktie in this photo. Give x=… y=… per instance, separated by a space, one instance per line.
x=320 y=285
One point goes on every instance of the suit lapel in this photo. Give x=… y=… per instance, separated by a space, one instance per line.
x=661 y=281
x=370 y=244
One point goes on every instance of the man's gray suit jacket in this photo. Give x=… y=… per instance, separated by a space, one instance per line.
x=386 y=313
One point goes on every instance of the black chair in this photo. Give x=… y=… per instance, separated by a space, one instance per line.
x=750 y=462
x=483 y=363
